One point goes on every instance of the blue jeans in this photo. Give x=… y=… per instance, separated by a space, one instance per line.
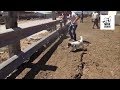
x=71 y=30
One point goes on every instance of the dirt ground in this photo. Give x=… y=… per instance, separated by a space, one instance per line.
x=101 y=60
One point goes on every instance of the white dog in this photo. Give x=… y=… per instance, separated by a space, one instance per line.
x=76 y=44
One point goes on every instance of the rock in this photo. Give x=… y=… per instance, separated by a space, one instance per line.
x=75 y=60
x=77 y=76
x=112 y=73
x=97 y=64
x=29 y=43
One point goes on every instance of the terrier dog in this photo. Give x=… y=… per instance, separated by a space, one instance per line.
x=76 y=44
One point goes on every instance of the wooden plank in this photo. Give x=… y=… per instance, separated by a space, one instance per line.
x=54 y=18
x=60 y=24
x=11 y=22
x=14 y=49
x=13 y=35
x=11 y=64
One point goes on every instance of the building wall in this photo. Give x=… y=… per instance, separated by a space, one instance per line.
x=117 y=18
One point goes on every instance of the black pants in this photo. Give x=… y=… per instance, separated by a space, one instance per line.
x=81 y=19
x=95 y=23
x=64 y=21
x=71 y=30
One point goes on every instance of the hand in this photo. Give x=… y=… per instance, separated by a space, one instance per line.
x=73 y=23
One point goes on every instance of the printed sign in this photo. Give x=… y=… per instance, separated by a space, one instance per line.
x=107 y=22
x=112 y=12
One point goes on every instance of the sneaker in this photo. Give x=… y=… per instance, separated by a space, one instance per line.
x=98 y=27
x=73 y=40
x=70 y=39
x=67 y=35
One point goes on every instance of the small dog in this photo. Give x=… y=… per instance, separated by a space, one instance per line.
x=76 y=44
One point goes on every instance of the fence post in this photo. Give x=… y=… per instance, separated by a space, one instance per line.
x=54 y=18
x=11 y=22
x=60 y=24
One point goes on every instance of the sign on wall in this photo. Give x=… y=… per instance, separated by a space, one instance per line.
x=107 y=22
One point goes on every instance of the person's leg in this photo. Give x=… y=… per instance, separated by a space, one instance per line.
x=93 y=24
x=70 y=31
x=82 y=19
x=97 y=21
x=74 y=33
x=64 y=22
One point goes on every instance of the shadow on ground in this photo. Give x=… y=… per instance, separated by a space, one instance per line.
x=80 y=67
x=40 y=65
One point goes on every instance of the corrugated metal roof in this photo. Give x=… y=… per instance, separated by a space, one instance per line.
x=44 y=12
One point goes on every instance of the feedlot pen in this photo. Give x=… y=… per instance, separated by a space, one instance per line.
x=100 y=60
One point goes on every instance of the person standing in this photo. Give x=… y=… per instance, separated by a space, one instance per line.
x=64 y=17
x=81 y=17
x=73 y=25
x=95 y=19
